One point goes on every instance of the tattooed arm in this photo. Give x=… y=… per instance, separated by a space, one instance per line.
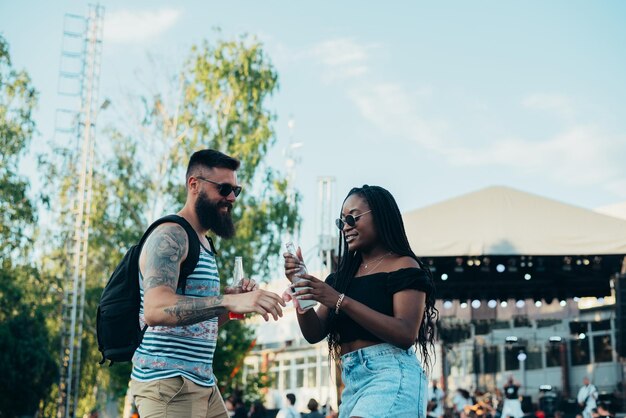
x=161 y=257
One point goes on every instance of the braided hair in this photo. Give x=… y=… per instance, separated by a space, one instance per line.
x=390 y=228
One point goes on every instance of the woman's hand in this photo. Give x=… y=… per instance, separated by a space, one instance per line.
x=315 y=289
x=293 y=264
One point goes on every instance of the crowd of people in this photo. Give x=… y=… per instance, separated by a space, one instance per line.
x=236 y=408
x=506 y=402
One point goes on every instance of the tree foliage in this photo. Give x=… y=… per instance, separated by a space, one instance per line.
x=27 y=366
x=17 y=101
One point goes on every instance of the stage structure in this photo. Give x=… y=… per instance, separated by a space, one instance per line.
x=498 y=255
x=500 y=243
x=76 y=125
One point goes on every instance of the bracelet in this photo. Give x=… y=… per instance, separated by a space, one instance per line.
x=338 y=305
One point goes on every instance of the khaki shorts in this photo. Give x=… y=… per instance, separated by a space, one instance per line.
x=177 y=397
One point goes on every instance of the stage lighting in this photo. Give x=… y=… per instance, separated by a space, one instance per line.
x=510 y=339
x=444 y=277
x=447 y=304
x=463 y=305
x=527 y=276
x=520 y=303
x=500 y=268
x=563 y=303
x=538 y=303
x=504 y=303
x=555 y=339
x=475 y=304
x=492 y=303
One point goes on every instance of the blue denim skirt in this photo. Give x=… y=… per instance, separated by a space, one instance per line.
x=382 y=381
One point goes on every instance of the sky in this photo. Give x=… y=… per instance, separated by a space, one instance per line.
x=430 y=100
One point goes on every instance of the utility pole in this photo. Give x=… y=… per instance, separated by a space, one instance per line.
x=326 y=241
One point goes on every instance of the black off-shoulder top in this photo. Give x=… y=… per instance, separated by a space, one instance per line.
x=376 y=291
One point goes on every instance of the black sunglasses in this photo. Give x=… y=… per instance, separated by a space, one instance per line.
x=349 y=219
x=224 y=189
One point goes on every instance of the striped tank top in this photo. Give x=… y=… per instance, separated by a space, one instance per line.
x=188 y=350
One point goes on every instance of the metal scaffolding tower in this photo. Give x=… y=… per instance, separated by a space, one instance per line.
x=79 y=79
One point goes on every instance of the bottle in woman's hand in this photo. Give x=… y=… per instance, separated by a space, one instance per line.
x=297 y=278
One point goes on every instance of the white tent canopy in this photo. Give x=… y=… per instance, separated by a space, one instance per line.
x=504 y=221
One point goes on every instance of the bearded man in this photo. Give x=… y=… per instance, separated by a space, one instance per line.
x=172 y=372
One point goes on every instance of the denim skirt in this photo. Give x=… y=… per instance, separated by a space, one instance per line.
x=381 y=381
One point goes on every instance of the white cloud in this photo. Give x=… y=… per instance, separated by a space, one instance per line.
x=343 y=58
x=125 y=26
x=558 y=104
x=578 y=155
x=394 y=110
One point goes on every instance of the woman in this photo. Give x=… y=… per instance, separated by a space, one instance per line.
x=373 y=309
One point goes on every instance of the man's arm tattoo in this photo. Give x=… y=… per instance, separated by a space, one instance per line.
x=164 y=248
x=193 y=310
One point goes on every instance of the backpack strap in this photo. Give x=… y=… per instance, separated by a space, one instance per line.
x=193 y=253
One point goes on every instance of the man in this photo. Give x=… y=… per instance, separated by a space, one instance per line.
x=512 y=406
x=289 y=411
x=313 y=406
x=587 y=396
x=172 y=368
x=435 y=400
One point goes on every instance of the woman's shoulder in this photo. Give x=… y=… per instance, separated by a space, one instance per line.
x=409 y=276
x=403 y=262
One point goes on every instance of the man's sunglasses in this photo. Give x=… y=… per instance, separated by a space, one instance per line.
x=224 y=189
x=349 y=219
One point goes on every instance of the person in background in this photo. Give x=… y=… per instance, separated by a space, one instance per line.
x=460 y=400
x=289 y=411
x=313 y=406
x=587 y=397
x=512 y=407
x=435 y=400
x=257 y=410
x=375 y=309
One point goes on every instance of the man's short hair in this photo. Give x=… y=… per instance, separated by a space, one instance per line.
x=292 y=398
x=210 y=158
x=312 y=405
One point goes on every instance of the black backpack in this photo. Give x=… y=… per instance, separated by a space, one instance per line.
x=117 y=321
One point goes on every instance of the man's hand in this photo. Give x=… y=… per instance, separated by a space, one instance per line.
x=244 y=286
x=258 y=300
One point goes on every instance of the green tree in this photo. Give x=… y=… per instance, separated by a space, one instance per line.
x=221 y=103
x=28 y=369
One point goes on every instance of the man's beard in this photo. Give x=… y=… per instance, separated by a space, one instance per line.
x=211 y=216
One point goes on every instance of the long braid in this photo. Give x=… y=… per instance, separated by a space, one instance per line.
x=390 y=228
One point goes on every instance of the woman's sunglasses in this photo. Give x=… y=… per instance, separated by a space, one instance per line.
x=224 y=189
x=349 y=219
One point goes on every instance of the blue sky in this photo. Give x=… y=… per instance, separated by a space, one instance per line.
x=428 y=99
